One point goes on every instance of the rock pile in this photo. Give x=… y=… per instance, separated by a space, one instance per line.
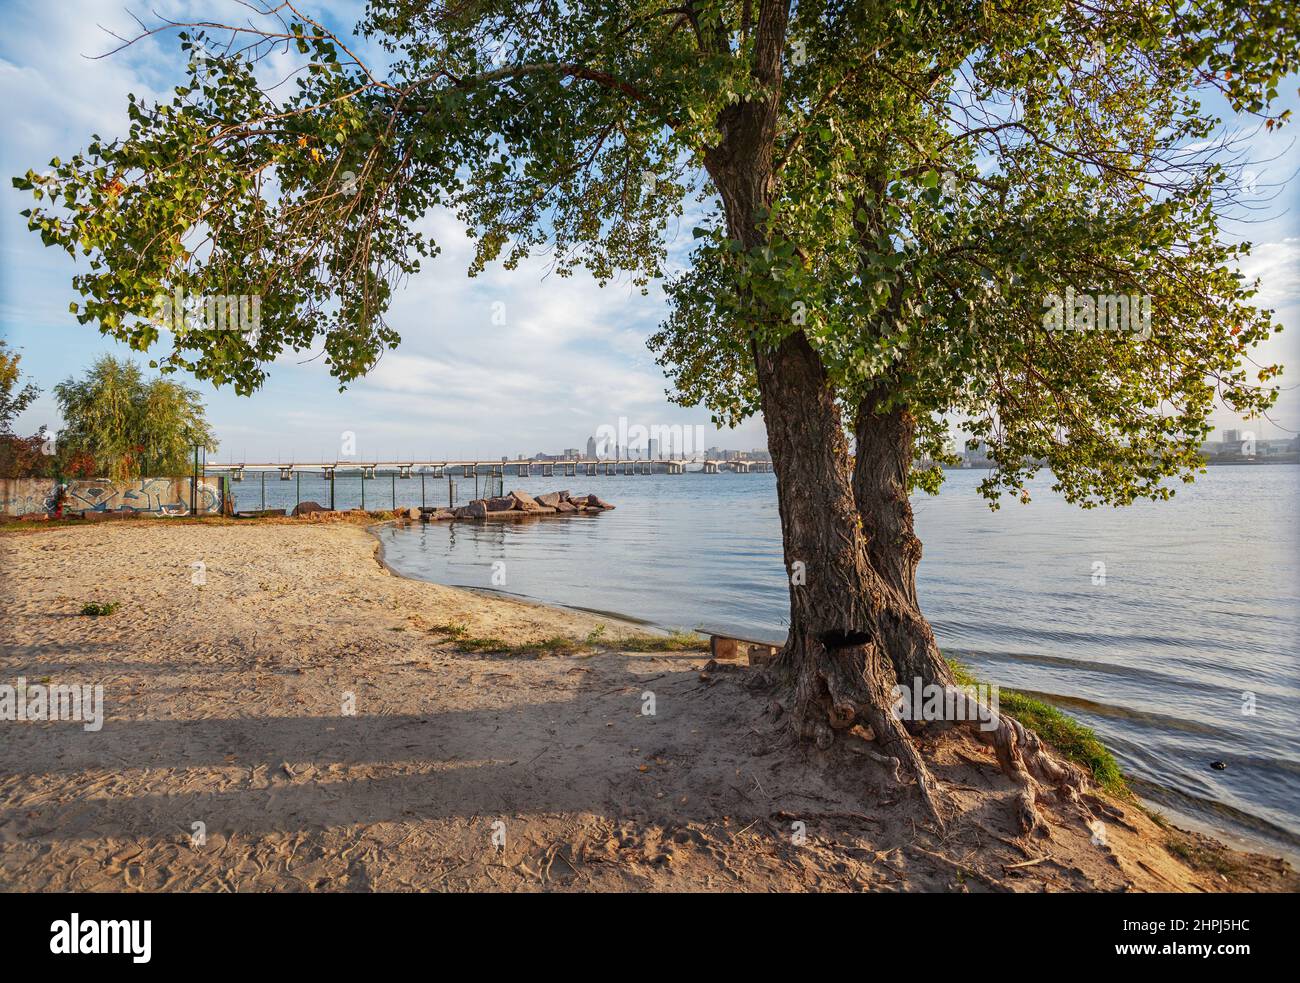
x=519 y=504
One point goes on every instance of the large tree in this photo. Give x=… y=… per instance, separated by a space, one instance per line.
x=893 y=192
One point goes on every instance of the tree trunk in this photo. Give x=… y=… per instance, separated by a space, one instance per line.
x=836 y=660
x=839 y=668
x=881 y=474
x=856 y=630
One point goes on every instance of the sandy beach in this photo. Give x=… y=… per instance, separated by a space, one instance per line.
x=331 y=726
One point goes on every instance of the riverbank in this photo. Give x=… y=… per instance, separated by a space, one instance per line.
x=333 y=727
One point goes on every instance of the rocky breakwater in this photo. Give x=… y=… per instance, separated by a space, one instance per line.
x=521 y=505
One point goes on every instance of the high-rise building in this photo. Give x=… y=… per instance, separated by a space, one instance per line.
x=591 y=448
x=652 y=448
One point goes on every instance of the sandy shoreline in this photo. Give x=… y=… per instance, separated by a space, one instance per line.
x=325 y=723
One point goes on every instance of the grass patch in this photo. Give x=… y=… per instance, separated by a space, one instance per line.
x=1071 y=738
x=558 y=645
x=454 y=629
x=678 y=641
x=1199 y=857
x=481 y=645
x=564 y=645
x=96 y=610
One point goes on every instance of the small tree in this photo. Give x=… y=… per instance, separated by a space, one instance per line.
x=27 y=457
x=15 y=394
x=20 y=457
x=130 y=426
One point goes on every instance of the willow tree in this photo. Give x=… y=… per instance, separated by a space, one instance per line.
x=125 y=426
x=891 y=191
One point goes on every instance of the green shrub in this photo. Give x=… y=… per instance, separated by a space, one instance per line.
x=95 y=610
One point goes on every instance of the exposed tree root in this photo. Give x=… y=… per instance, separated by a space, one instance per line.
x=898 y=742
x=865 y=749
x=1025 y=760
x=845 y=689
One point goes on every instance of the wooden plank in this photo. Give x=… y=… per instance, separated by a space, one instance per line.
x=742 y=635
x=731 y=643
x=723 y=648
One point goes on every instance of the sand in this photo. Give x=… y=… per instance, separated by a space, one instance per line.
x=311 y=712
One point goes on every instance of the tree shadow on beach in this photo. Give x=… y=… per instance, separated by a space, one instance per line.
x=594 y=751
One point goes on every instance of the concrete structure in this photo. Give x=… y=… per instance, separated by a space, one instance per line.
x=155 y=496
x=468 y=469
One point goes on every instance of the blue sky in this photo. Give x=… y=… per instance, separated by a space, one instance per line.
x=570 y=357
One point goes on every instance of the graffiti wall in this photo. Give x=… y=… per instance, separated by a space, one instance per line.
x=163 y=496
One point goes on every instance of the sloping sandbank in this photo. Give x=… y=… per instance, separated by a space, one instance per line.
x=335 y=727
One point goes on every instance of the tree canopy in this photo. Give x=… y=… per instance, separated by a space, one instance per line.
x=938 y=172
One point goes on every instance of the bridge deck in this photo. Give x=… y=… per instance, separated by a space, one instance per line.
x=407 y=468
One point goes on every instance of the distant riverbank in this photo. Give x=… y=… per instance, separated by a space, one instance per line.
x=1226 y=460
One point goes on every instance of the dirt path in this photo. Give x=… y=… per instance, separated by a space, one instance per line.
x=311 y=712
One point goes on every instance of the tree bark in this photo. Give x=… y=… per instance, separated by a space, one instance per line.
x=839 y=670
x=881 y=475
x=836 y=658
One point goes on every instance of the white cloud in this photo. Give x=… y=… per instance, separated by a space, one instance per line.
x=1277 y=265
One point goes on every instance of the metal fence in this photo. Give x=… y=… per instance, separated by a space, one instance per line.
x=371 y=490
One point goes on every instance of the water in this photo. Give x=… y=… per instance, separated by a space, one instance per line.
x=1198 y=608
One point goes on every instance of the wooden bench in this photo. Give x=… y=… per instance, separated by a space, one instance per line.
x=731 y=643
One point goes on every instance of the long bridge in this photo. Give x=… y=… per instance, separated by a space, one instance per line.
x=470 y=469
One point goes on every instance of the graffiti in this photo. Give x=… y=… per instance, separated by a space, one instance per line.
x=21 y=497
x=156 y=496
